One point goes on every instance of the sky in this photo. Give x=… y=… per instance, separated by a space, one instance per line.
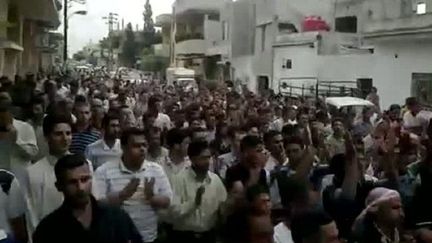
x=83 y=29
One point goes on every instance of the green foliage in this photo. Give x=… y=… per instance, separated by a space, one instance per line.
x=149 y=30
x=130 y=47
x=79 y=56
x=152 y=63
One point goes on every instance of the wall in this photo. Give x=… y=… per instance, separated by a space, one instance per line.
x=212 y=30
x=242 y=28
x=391 y=75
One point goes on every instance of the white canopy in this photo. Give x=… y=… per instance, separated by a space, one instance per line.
x=347 y=101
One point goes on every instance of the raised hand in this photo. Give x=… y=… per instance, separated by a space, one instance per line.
x=148 y=188
x=129 y=189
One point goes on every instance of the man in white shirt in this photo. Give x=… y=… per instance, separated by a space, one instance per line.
x=162 y=121
x=12 y=207
x=177 y=160
x=198 y=196
x=44 y=196
x=227 y=160
x=274 y=143
x=18 y=145
x=139 y=186
x=108 y=148
x=416 y=120
x=156 y=153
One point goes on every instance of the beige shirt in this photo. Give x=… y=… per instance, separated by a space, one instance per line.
x=44 y=196
x=335 y=145
x=185 y=214
x=172 y=169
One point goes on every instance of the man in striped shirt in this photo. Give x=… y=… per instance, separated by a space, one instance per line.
x=83 y=133
x=139 y=186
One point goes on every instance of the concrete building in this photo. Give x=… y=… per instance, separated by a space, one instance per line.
x=197 y=27
x=24 y=35
x=372 y=43
x=164 y=22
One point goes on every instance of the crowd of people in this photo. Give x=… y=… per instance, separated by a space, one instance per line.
x=98 y=160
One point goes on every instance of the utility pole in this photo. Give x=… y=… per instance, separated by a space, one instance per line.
x=112 y=19
x=65 y=32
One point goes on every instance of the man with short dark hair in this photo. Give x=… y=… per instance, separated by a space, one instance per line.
x=108 y=148
x=44 y=196
x=198 y=196
x=250 y=170
x=139 y=186
x=83 y=133
x=232 y=158
x=314 y=226
x=275 y=144
x=162 y=121
x=81 y=218
x=335 y=143
x=177 y=141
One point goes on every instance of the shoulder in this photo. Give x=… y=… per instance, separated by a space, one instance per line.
x=51 y=221
x=19 y=123
x=108 y=166
x=226 y=156
x=154 y=167
x=95 y=144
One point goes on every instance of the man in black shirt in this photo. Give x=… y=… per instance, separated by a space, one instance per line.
x=250 y=171
x=81 y=218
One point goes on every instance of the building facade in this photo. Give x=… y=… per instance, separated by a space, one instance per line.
x=24 y=35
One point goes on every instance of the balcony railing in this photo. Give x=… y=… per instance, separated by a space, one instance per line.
x=189 y=36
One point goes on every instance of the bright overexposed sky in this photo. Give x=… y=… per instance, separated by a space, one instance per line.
x=83 y=29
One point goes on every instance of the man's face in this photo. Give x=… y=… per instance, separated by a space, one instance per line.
x=394 y=114
x=127 y=118
x=254 y=131
x=38 y=110
x=155 y=139
x=113 y=130
x=202 y=162
x=392 y=211
x=294 y=152
x=330 y=233
x=303 y=120
x=136 y=148
x=60 y=138
x=83 y=114
x=76 y=185
x=276 y=145
x=261 y=229
x=338 y=127
x=238 y=137
x=256 y=157
x=262 y=204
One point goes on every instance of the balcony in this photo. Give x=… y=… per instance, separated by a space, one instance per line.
x=163 y=20
x=218 y=48
x=200 y=6
x=415 y=24
x=191 y=47
x=45 y=11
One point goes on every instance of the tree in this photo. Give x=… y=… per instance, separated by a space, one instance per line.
x=149 y=30
x=129 y=47
x=79 y=56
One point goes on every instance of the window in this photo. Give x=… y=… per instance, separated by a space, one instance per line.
x=346 y=24
x=421 y=8
x=263 y=37
x=421 y=87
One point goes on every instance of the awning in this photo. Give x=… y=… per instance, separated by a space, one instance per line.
x=41 y=10
x=6 y=44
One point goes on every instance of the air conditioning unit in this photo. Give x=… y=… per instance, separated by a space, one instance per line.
x=42 y=40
